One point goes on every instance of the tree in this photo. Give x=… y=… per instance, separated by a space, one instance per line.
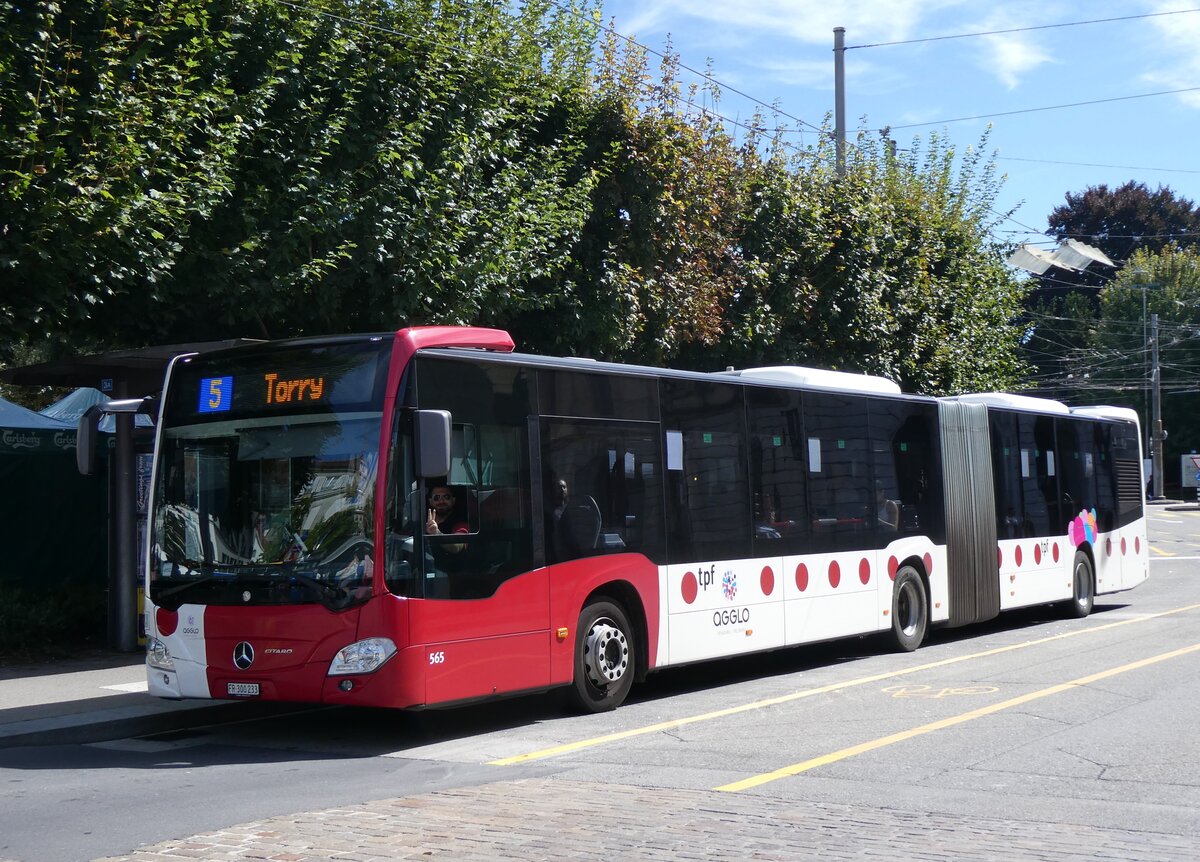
x=1125 y=219
x=1117 y=363
x=211 y=168
x=1119 y=222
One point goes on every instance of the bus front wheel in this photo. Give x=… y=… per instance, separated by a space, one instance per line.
x=910 y=610
x=604 y=658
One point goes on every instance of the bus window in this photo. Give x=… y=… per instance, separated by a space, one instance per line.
x=841 y=498
x=1007 y=475
x=1039 y=476
x=603 y=489
x=1077 y=467
x=709 y=499
x=777 y=476
x=489 y=405
x=905 y=454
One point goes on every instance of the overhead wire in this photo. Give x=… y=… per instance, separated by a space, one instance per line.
x=1025 y=29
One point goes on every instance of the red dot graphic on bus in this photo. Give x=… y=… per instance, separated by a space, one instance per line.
x=167 y=621
x=1056 y=552
x=690 y=588
x=864 y=571
x=1037 y=554
x=1108 y=546
x=1017 y=556
x=1137 y=545
x=1122 y=546
x=768 y=580
x=835 y=574
x=999 y=557
x=802 y=577
x=928 y=561
x=893 y=567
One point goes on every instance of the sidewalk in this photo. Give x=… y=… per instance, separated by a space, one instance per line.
x=96 y=697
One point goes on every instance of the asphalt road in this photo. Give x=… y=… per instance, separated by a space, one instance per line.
x=1044 y=721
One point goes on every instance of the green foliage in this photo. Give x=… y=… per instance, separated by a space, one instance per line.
x=197 y=169
x=201 y=169
x=1117 y=360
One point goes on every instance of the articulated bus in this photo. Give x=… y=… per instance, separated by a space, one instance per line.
x=609 y=520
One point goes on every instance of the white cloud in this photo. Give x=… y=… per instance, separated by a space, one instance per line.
x=806 y=21
x=1011 y=55
x=1176 y=64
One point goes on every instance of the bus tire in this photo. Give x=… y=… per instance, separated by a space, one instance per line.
x=604 y=658
x=1084 y=590
x=910 y=610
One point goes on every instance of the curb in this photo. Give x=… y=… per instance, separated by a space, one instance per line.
x=140 y=720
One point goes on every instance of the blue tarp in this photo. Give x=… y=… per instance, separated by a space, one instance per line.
x=69 y=409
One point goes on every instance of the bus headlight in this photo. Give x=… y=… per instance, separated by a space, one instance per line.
x=158 y=656
x=365 y=656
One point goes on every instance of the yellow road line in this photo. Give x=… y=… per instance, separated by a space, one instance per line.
x=617 y=736
x=855 y=750
x=1161 y=553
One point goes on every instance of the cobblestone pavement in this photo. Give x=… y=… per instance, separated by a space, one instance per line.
x=553 y=820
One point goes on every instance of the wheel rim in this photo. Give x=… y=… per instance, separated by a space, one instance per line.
x=1082 y=584
x=605 y=653
x=908 y=604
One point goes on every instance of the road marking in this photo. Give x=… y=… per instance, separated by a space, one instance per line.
x=673 y=724
x=130 y=687
x=1174 y=558
x=928 y=691
x=1161 y=553
x=855 y=750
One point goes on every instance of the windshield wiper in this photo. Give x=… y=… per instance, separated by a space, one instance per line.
x=333 y=592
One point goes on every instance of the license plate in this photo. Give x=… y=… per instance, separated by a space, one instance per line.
x=241 y=689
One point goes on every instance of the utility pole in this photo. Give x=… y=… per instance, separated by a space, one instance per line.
x=839 y=97
x=1156 y=443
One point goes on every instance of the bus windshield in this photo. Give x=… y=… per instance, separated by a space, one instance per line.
x=260 y=506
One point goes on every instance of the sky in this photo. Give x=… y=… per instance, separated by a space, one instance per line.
x=781 y=52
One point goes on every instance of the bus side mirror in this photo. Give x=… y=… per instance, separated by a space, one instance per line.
x=85 y=439
x=433 y=443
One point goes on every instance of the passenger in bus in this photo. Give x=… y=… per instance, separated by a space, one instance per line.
x=556 y=503
x=444 y=518
x=887 y=511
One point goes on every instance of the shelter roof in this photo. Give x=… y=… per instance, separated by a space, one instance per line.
x=119 y=373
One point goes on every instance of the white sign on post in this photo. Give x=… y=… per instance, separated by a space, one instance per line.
x=1189 y=470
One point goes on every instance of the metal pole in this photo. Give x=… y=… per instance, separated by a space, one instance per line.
x=839 y=97
x=124 y=598
x=1146 y=375
x=1156 y=451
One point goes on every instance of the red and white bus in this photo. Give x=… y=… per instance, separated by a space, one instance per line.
x=608 y=520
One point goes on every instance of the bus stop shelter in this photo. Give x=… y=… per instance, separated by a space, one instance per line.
x=119 y=374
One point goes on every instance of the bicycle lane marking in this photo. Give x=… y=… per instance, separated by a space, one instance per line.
x=983 y=711
x=673 y=724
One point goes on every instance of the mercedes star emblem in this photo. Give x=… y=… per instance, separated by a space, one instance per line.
x=243 y=655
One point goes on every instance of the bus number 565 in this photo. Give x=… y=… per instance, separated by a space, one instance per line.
x=438 y=657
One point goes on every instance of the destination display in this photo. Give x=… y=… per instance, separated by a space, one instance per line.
x=258 y=382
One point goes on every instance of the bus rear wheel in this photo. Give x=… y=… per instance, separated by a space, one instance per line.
x=1084 y=590
x=604 y=658
x=910 y=610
